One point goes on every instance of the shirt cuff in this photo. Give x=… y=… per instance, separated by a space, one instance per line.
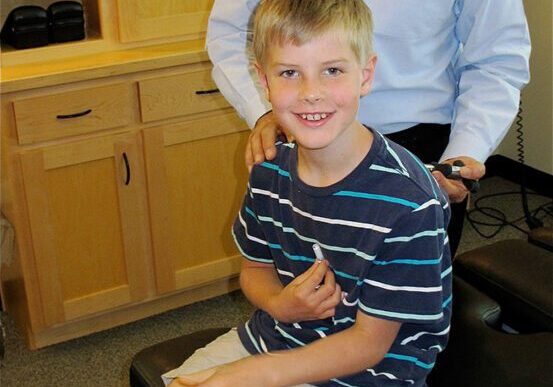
x=465 y=144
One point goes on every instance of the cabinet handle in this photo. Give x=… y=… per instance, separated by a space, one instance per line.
x=204 y=92
x=127 y=169
x=74 y=115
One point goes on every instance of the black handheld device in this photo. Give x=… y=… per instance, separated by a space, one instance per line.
x=454 y=172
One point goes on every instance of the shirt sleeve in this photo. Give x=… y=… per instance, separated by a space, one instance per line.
x=404 y=282
x=228 y=44
x=492 y=67
x=248 y=233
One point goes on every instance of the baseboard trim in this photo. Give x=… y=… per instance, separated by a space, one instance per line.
x=535 y=180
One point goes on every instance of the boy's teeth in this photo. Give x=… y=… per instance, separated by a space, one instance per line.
x=314 y=117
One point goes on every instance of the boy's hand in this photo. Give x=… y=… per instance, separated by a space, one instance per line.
x=194 y=379
x=307 y=297
x=456 y=190
x=240 y=373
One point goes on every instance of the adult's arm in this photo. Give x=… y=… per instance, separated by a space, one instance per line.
x=228 y=45
x=492 y=68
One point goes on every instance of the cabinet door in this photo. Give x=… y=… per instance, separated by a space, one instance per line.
x=196 y=179
x=88 y=219
x=145 y=19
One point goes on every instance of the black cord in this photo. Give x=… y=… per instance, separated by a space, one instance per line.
x=496 y=218
x=531 y=221
x=493 y=217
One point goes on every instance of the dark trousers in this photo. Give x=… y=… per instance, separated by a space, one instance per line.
x=428 y=142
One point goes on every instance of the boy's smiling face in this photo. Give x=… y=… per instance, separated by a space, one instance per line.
x=315 y=89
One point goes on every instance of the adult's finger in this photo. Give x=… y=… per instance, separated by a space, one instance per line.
x=268 y=136
x=455 y=189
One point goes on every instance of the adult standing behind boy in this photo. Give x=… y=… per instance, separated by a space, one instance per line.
x=447 y=88
x=369 y=204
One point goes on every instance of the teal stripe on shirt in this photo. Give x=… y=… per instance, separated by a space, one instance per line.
x=411 y=359
x=276 y=168
x=251 y=213
x=407 y=261
x=384 y=198
x=427 y=233
x=407 y=316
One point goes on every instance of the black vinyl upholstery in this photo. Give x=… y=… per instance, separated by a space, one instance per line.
x=516 y=274
x=479 y=354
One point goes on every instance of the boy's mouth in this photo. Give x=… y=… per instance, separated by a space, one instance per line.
x=314 y=116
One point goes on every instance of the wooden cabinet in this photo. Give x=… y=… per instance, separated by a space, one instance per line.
x=119 y=218
x=142 y=19
x=122 y=171
x=179 y=95
x=195 y=182
x=88 y=223
x=73 y=112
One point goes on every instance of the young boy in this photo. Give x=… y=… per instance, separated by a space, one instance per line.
x=375 y=311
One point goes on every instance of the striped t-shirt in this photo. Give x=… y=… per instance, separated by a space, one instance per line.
x=383 y=231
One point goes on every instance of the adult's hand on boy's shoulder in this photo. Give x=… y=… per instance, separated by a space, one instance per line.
x=456 y=190
x=261 y=143
x=312 y=295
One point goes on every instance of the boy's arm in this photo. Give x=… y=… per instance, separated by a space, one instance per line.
x=357 y=348
x=350 y=351
x=301 y=300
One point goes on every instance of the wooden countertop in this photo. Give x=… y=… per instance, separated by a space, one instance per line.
x=85 y=67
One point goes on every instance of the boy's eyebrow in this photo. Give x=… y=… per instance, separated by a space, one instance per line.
x=338 y=60
x=285 y=64
x=325 y=63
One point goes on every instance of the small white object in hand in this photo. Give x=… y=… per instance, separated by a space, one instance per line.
x=318 y=252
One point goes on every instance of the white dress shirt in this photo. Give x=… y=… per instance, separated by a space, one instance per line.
x=462 y=62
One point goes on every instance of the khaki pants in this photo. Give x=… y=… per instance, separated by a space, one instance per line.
x=225 y=349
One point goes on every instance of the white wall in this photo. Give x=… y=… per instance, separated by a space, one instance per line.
x=537 y=97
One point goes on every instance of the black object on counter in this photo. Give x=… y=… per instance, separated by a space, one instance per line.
x=30 y=26
x=66 y=21
x=25 y=27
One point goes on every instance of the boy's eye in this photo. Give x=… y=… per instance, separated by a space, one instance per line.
x=289 y=74
x=332 y=71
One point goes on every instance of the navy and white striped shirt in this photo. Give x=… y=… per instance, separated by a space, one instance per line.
x=383 y=231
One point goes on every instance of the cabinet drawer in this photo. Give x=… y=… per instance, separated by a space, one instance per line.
x=71 y=113
x=178 y=95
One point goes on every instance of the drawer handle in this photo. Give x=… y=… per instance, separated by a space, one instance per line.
x=204 y=92
x=127 y=169
x=74 y=115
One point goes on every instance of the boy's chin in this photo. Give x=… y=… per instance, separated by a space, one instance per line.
x=310 y=144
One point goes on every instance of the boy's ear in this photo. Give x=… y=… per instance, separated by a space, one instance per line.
x=262 y=78
x=368 y=75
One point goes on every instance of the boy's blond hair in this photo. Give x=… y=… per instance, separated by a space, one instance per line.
x=298 y=21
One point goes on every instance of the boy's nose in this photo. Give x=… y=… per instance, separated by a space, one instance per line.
x=311 y=91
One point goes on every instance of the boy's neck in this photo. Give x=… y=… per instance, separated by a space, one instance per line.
x=324 y=167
